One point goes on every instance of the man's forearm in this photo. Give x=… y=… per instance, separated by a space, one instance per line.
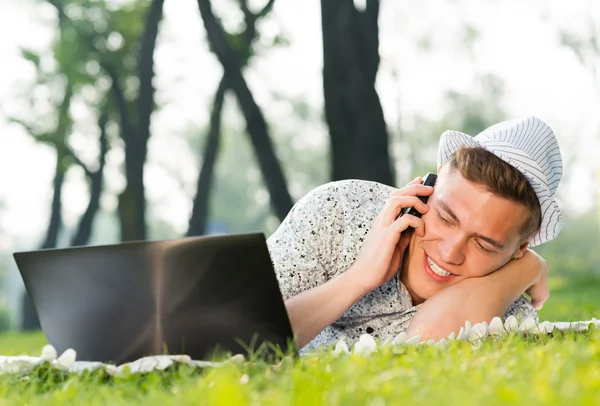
x=474 y=299
x=313 y=310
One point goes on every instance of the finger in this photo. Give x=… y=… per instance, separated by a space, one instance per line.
x=539 y=300
x=539 y=292
x=402 y=223
x=540 y=289
x=404 y=241
x=539 y=295
x=415 y=181
x=394 y=263
x=401 y=246
x=537 y=305
x=414 y=190
x=397 y=203
x=399 y=252
x=420 y=228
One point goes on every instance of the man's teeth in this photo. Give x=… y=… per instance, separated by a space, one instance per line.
x=436 y=269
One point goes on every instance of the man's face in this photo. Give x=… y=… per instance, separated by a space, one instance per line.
x=469 y=232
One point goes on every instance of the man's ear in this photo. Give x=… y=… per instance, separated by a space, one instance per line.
x=522 y=249
x=439 y=168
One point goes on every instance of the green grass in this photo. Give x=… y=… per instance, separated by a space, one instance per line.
x=548 y=369
x=16 y=343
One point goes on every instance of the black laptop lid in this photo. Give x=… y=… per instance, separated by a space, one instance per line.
x=194 y=296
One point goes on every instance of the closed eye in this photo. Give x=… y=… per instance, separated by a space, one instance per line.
x=484 y=249
x=443 y=219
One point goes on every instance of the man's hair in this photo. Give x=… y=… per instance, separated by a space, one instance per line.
x=481 y=167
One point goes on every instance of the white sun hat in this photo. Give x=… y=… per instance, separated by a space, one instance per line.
x=530 y=146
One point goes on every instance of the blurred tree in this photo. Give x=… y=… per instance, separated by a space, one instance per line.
x=5 y=321
x=357 y=127
x=586 y=48
x=66 y=77
x=575 y=250
x=469 y=112
x=239 y=199
x=5 y=313
x=200 y=206
x=243 y=48
x=83 y=43
x=226 y=46
x=84 y=229
x=132 y=201
x=120 y=43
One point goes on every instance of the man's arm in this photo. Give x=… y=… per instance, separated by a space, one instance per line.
x=313 y=310
x=304 y=251
x=476 y=299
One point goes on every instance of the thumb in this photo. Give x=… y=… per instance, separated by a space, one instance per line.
x=398 y=256
x=537 y=305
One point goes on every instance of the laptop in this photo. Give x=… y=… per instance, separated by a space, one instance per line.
x=202 y=296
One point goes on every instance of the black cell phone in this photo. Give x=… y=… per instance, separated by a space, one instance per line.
x=428 y=180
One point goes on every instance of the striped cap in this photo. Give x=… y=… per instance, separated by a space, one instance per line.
x=529 y=145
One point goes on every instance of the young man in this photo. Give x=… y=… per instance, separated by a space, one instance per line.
x=348 y=265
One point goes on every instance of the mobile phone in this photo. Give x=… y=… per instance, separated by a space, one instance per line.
x=428 y=180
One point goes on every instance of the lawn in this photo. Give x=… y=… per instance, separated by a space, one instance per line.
x=548 y=369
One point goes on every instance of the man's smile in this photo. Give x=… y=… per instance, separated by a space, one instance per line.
x=436 y=272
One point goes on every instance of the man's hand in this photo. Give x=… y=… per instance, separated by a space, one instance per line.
x=537 y=265
x=380 y=256
x=314 y=309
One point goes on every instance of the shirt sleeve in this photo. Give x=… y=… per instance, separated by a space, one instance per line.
x=305 y=247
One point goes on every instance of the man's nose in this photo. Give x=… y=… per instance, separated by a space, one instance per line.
x=452 y=249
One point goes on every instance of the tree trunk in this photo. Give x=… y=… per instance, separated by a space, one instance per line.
x=199 y=217
x=256 y=126
x=55 y=213
x=132 y=201
x=131 y=226
x=84 y=230
x=359 y=137
x=29 y=318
